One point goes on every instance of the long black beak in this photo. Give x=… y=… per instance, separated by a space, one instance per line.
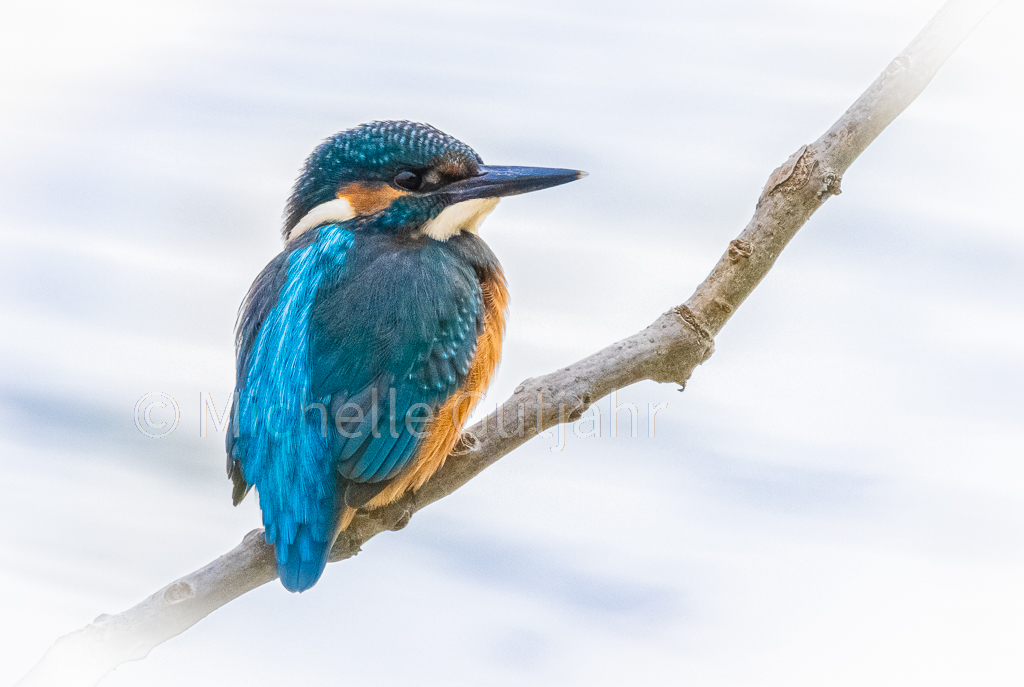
x=495 y=182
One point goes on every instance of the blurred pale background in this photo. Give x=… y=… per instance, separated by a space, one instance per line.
x=835 y=499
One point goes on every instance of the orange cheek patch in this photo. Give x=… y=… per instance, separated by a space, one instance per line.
x=367 y=199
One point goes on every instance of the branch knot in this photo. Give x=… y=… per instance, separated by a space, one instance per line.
x=178 y=592
x=784 y=173
x=739 y=249
x=830 y=182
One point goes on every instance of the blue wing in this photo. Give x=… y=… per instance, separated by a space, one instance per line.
x=390 y=344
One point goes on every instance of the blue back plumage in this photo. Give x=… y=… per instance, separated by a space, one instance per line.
x=284 y=456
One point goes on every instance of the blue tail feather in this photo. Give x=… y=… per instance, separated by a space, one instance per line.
x=301 y=562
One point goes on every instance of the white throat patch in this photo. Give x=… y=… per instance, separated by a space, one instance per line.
x=338 y=210
x=464 y=216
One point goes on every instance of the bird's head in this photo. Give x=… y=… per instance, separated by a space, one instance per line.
x=405 y=177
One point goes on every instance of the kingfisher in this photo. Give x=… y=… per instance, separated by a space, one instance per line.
x=363 y=347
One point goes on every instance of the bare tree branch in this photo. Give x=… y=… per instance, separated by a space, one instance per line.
x=666 y=351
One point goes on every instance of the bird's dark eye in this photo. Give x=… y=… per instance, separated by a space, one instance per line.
x=410 y=181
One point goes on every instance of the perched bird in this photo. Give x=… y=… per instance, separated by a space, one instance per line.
x=363 y=346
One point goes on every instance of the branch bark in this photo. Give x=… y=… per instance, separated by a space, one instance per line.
x=666 y=351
